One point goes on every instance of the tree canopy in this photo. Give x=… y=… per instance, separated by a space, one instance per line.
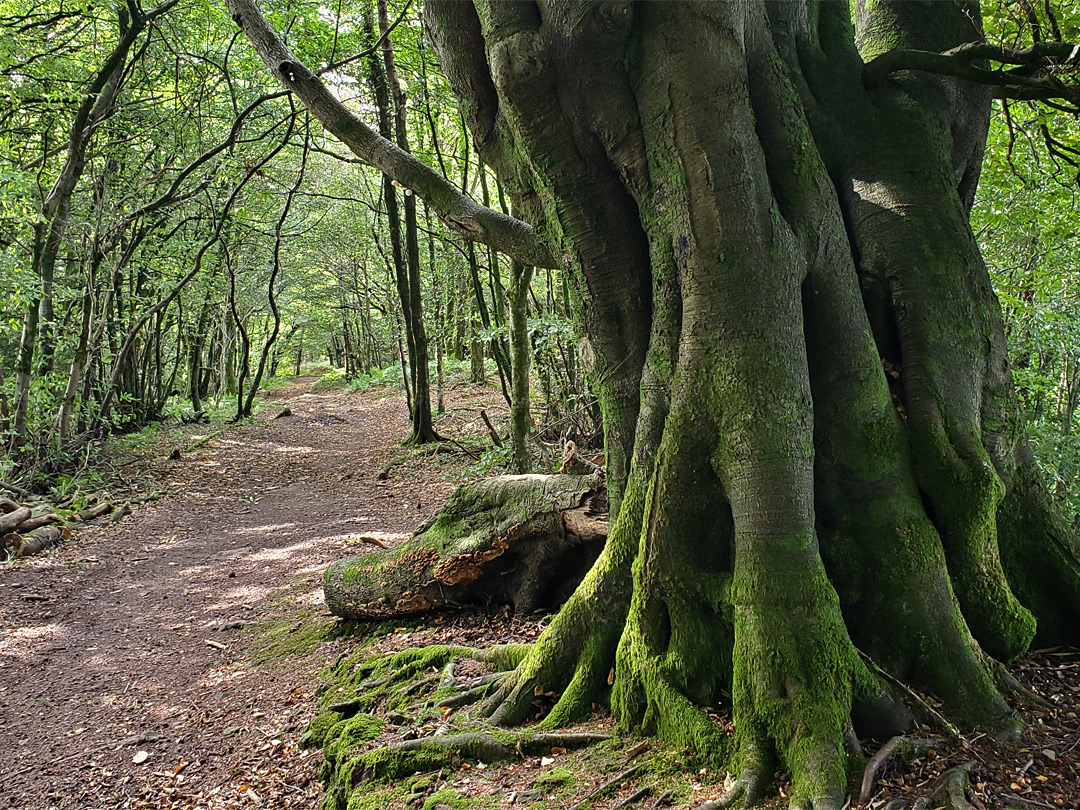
x=827 y=475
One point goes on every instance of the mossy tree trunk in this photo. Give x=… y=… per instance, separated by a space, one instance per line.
x=757 y=230
x=760 y=229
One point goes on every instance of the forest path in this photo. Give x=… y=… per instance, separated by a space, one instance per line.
x=103 y=642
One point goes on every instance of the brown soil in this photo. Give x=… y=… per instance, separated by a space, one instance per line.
x=104 y=642
x=170 y=660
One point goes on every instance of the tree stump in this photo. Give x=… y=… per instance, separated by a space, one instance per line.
x=524 y=540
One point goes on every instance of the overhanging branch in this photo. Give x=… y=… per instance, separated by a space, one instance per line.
x=1043 y=72
x=465 y=216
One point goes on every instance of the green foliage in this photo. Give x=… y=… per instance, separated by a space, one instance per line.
x=160 y=167
x=332 y=380
x=1026 y=221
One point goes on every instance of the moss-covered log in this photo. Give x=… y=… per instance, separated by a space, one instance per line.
x=524 y=540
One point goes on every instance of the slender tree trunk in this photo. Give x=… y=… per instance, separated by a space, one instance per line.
x=24 y=369
x=423 y=427
x=78 y=363
x=49 y=232
x=244 y=351
x=271 y=294
x=440 y=324
x=520 y=362
x=406 y=379
x=196 y=344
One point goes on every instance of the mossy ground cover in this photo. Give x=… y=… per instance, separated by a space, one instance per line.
x=389 y=742
x=277 y=640
x=390 y=685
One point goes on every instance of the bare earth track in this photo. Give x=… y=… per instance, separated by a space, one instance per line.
x=169 y=661
x=103 y=642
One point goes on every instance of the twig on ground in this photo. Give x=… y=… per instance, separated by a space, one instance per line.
x=22 y=493
x=491 y=429
x=663 y=799
x=912 y=695
x=620 y=777
x=636 y=796
x=1009 y=802
x=200 y=442
x=38 y=765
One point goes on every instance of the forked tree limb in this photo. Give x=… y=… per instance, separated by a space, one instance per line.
x=462 y=214
x=1035 y=75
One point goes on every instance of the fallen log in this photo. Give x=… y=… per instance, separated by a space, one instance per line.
x=7 y=505
x=15 y=490
x=33 y=523
x=95 y=511
x=12 y=519
x=525 y=540
x=18 y=545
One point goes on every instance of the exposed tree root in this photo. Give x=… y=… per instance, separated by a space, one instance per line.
x=1008 y=684
x=950 y=789
x=749 y=787
x=574 y=656
x=472 y=694
x=902 y=747
x=431 y=753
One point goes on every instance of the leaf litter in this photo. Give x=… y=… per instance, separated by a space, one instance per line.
x=115 y=656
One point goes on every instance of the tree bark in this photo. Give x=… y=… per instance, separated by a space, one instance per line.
x=754 y=232
x=520 y=361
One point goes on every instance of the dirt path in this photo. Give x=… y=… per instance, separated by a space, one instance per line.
x=104 y=653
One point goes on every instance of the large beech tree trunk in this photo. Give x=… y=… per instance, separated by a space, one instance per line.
x=758 y=232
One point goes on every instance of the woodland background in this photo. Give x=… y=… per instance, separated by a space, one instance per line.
x=173 y=235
